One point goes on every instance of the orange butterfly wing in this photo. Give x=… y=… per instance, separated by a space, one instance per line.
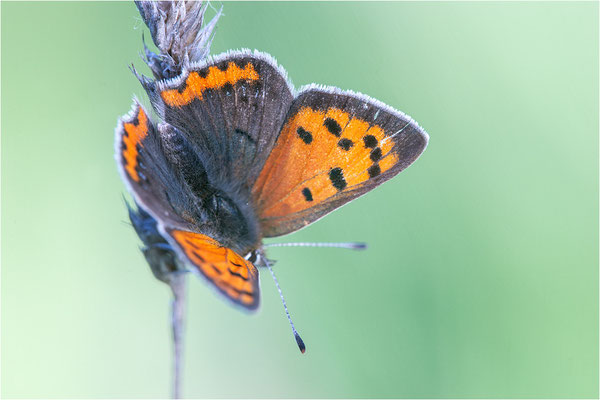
x=333 y=147
x=235 y=277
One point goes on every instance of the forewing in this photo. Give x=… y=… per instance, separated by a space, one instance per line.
x=230 y=108
x=145 y=169
x=334 y=147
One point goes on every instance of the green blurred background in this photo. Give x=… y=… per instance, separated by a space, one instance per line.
x=481 y=279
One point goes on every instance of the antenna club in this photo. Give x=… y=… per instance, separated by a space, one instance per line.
x=300 y=342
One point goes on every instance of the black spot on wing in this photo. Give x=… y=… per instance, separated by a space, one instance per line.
x=374 y=170
x=345 y=144
x=376 y=154
x=370 y=141
x=305 y=135
x=237 y=274
x=333 y=126
x=203 y=73
x=307 y=194
x=194 y=252
x=336 y=175
x=191 y=244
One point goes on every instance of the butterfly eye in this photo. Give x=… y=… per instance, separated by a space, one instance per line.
x=252 y=256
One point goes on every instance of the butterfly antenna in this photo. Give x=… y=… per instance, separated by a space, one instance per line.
x=177 y=284
x=299 y=340
x=341 y=245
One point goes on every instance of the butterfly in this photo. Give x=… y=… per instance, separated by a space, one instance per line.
x=237 y=155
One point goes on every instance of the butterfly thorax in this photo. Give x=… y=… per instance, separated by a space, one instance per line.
x=210 y=201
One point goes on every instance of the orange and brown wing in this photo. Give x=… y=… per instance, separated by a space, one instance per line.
x=235 y=277
x=145 y=169
x=230 y=108
x=333 y=147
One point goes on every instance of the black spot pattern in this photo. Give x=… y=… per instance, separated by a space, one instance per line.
x=336 y=175
x=305 y=135
x=376 y=154
x=333 y=127
x=370 y=141
x=307 y=194
x=345 y=144
x=374 y=170
x=236 y=273
x=194 y=252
